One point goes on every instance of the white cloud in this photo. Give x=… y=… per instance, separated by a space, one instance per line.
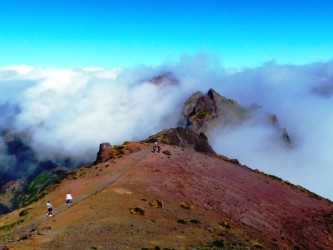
x=21 y=69
x=286 y=91
x=70 y=111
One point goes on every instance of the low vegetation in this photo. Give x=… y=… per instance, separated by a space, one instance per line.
x=25 y=212
x=328 y=219
x=157 y=248
x=194 y=221
x=38 y=186
x=256 y=244
x=7 y=227
x=156 y=203
x=225 y=224
x=200 y=115
x=181 y=221
x=185 y=205
x=137 y=210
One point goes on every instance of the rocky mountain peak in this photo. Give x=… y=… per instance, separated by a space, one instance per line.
x=164 y=79
x=204 y=112
x=213 y=95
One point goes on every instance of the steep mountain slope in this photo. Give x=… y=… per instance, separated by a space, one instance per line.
x=204 y=112
x=133 y=198
x=22 y=174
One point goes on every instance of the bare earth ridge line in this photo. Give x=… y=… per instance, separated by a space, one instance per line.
x=29 y=228
x=110 y=180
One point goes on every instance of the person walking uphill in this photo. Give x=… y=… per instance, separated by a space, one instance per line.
x=69 y=199
x=156 y=147
x=49 y=209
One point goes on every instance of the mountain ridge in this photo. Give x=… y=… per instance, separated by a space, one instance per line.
x=205 y=112
x=205 y=202
x=23 y=173
x=184 y=196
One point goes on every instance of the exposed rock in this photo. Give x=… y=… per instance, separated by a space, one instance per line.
x=137 y=210
x=166 y=152
x=185 y=205
x=183 y=138
x=156 y=203
x=101 y=150
x=204 y=112
x=164 y=79
x=23 y=235
x=3 y=246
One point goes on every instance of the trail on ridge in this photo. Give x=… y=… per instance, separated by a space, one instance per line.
x=31 y=228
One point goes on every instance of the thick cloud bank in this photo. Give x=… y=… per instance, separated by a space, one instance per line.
x=68 y=112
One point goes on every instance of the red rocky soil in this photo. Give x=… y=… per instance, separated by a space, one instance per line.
x=136 y=199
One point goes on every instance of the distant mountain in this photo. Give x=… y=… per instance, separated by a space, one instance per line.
x=181 y=198
x=164 y=79
x=22 y=174
x=204 y=112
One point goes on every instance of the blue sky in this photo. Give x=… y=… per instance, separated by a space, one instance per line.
x=65 y=33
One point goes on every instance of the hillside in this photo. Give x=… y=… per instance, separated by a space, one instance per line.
x=22 y=174
x=205 y=112
x=177 y=199
x=24 y=171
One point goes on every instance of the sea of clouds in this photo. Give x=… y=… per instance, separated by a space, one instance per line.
x=69 y=112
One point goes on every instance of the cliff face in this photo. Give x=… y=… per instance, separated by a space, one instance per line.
x=204 y=112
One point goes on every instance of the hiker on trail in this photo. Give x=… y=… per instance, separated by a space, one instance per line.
x=49 y=209
x=156 y=146
x=69 y=199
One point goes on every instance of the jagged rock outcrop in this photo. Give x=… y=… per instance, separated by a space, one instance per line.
x=101 y=151
x=204 y=112
x=183 y=138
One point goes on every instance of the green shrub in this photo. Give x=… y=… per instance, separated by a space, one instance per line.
x=181 y=221
x=185 y=205
x=10 y=226
x=194 y=221
x=225 y=224
x=218 y=243
x=25 y=212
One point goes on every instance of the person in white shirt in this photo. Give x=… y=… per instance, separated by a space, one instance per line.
x=156 y=147
x=69 y=199
x=49 y=209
